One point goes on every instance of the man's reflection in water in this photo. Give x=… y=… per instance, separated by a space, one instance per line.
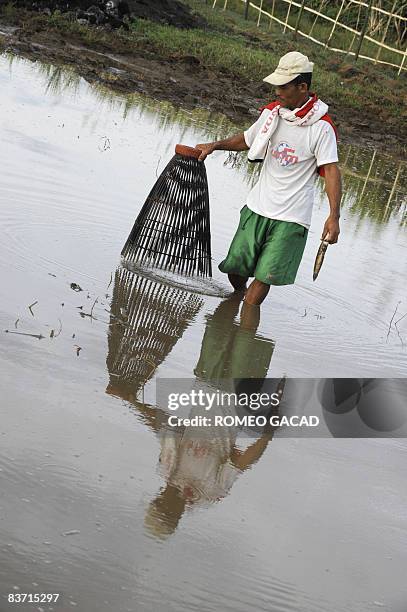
x=199 y=467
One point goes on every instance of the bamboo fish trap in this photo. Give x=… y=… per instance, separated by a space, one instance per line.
x=172 y=231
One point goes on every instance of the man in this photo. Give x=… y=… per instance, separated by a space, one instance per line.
x=295 y=138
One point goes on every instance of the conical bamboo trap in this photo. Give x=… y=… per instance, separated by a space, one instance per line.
x=172 y=231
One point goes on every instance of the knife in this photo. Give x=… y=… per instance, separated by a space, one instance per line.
x=319 y=259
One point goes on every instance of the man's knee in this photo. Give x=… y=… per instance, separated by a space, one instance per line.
x=237 y=282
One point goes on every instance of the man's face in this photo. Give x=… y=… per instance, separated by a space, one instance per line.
x=291 y=95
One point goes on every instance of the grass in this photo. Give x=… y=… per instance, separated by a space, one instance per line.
x=227 y=54
x=229 y=51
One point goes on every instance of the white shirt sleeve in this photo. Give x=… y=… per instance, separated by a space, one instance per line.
x=251 y=133
x=324 y=146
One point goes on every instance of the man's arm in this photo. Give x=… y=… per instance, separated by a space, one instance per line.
x=333 y=188
x=242 y=460
x=234 y=143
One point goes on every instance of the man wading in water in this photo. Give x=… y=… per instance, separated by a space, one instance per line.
x=296 y=140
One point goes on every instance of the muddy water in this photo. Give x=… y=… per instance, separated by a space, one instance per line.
x=304 y=525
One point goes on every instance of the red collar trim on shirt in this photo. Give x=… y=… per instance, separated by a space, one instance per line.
x=304 y=110
x=301 y=113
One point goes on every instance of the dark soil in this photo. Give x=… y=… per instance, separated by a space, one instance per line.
x=170 y=12
x=167 y=11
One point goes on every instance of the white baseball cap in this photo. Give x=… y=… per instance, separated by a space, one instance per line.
x=289 y=67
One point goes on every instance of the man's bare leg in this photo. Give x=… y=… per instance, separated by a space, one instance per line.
x=238 y=282
x=256 y=292
x=249 y=316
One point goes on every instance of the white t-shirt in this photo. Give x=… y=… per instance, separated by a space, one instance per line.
x=285 y=189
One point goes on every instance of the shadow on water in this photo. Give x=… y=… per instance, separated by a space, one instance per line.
x=147 y=319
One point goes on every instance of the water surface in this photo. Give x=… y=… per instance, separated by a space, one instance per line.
x=304 y=525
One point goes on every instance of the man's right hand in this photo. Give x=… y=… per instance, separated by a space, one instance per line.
x=206 y=149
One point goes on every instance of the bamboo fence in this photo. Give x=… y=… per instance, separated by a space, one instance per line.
x=367 y=8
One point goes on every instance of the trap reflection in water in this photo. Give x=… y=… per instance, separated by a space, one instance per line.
x=146 y=321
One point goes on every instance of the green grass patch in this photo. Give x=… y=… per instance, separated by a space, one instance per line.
x=232 y=54
x=224 y=53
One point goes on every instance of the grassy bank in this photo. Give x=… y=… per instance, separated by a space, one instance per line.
x=319 y=28
x=232 y=55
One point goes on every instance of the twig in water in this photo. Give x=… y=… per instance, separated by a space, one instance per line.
x=106 y=144
x=398 y=331
x=399 y=335
x=78 y=349
x=93 y=306
x=31 y=307
x=38 y=336
x=60 y=328
x=111 y=280
x=395 y=323
x=391 y=321
x=305 y=313
x=16 y=323
x=88 y=314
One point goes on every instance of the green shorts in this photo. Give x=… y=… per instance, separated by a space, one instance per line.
x=268 y=249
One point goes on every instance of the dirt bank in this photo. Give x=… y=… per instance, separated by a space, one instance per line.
x=170 y=12
x=131 y=64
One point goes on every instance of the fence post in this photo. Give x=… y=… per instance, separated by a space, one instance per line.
x=246 y=9
x=297 y=25
x=261 y=8
x=316 y=17
x=386 y=30
x=272 y=14
x=356 y=27
x=402 y=62
x=335 y=22
x=287 y=16
x=363 y=30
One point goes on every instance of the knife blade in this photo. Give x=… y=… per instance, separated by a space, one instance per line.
x=319 y=259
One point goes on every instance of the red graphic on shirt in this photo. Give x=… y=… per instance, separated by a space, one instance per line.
x=284 y=154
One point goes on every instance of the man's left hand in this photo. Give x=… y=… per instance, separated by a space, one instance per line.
x=331 y=230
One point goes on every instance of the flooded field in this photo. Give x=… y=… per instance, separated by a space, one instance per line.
x=86 y=509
